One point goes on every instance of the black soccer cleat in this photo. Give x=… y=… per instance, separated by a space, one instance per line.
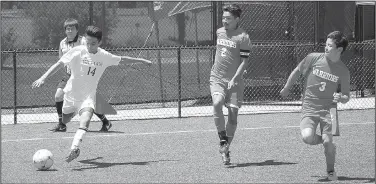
x=59 y=128
x=106 y=127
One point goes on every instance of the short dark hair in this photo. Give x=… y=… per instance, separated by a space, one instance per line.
x=71 y=22
x=94 y=32
x=339 y=39
x=234 y=9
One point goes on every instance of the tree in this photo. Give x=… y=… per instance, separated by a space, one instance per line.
x=48 y=20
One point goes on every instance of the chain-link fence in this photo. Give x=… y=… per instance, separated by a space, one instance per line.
x=177 y=84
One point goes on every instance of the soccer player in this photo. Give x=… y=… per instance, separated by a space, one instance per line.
x=226 y=82
x=87 y=64
x=323 y=74
x=73 y=39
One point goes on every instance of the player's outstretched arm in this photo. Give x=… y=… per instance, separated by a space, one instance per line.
x=52 y=70
x=128 y=59
x=290 y=81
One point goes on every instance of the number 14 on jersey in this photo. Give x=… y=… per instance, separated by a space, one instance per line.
x=91 y=71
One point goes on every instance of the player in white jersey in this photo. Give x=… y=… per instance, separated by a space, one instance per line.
x=226 y=82
x=73 y=39
x=87 y=65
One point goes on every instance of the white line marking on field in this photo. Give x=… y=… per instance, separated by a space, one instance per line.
x=174 y=132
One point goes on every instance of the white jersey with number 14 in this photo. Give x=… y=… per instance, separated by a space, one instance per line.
x=86 y=71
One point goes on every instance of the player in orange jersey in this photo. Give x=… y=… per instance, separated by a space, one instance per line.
x=226 y=82
x=323 y=73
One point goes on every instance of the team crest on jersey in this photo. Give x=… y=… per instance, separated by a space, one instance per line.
x=325 y=75
x=87 y=61
x=227 y=43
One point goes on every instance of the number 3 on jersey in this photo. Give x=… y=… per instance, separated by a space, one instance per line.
x=223 y=52
x=322 y=87
x=92 y=72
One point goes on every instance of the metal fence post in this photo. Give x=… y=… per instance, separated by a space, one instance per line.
x=103 y=20
x=15 y=86
x=214 y=27
x=316 y=26
x=179 y=81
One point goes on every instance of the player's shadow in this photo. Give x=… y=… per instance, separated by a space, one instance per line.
x=94 y=164
x=264 y=163
x=48 y=170
x=344 y=178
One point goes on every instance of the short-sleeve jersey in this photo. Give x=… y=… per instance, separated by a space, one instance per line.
x=65 y=46
x=231 y=47
x=322 y=79
x=86 y=70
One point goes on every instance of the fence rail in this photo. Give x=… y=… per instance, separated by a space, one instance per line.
x=180 y=79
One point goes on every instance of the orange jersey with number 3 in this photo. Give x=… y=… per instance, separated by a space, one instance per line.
x=322 y=79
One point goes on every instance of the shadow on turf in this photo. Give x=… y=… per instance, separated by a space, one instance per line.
x=48 y=170
x=95 y=164
x=344 y=178
x=265 y=163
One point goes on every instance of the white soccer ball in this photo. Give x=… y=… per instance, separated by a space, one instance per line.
x=42 y=159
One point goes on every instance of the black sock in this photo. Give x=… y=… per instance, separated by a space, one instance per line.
x=222 y=136
x=102 y=117
x=59 y=109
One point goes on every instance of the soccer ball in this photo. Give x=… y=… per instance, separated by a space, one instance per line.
x=42 y=159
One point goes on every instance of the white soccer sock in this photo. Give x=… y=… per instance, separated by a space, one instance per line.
x=78 y=138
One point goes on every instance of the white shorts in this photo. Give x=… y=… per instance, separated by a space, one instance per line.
x=73 y=106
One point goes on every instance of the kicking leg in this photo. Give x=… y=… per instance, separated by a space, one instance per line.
x=85 y=117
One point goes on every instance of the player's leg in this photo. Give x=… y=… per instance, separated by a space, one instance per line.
x=102 y=107
x=68 y=111
x=232 y=123
x=219 y=118
x=308 y=127
x=329 y=147
x=106 y=124
x=85 y=116
x=59 y=98
x=217 y=90
x=234 y=102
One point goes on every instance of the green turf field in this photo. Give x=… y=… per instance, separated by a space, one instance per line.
x=267 y=149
